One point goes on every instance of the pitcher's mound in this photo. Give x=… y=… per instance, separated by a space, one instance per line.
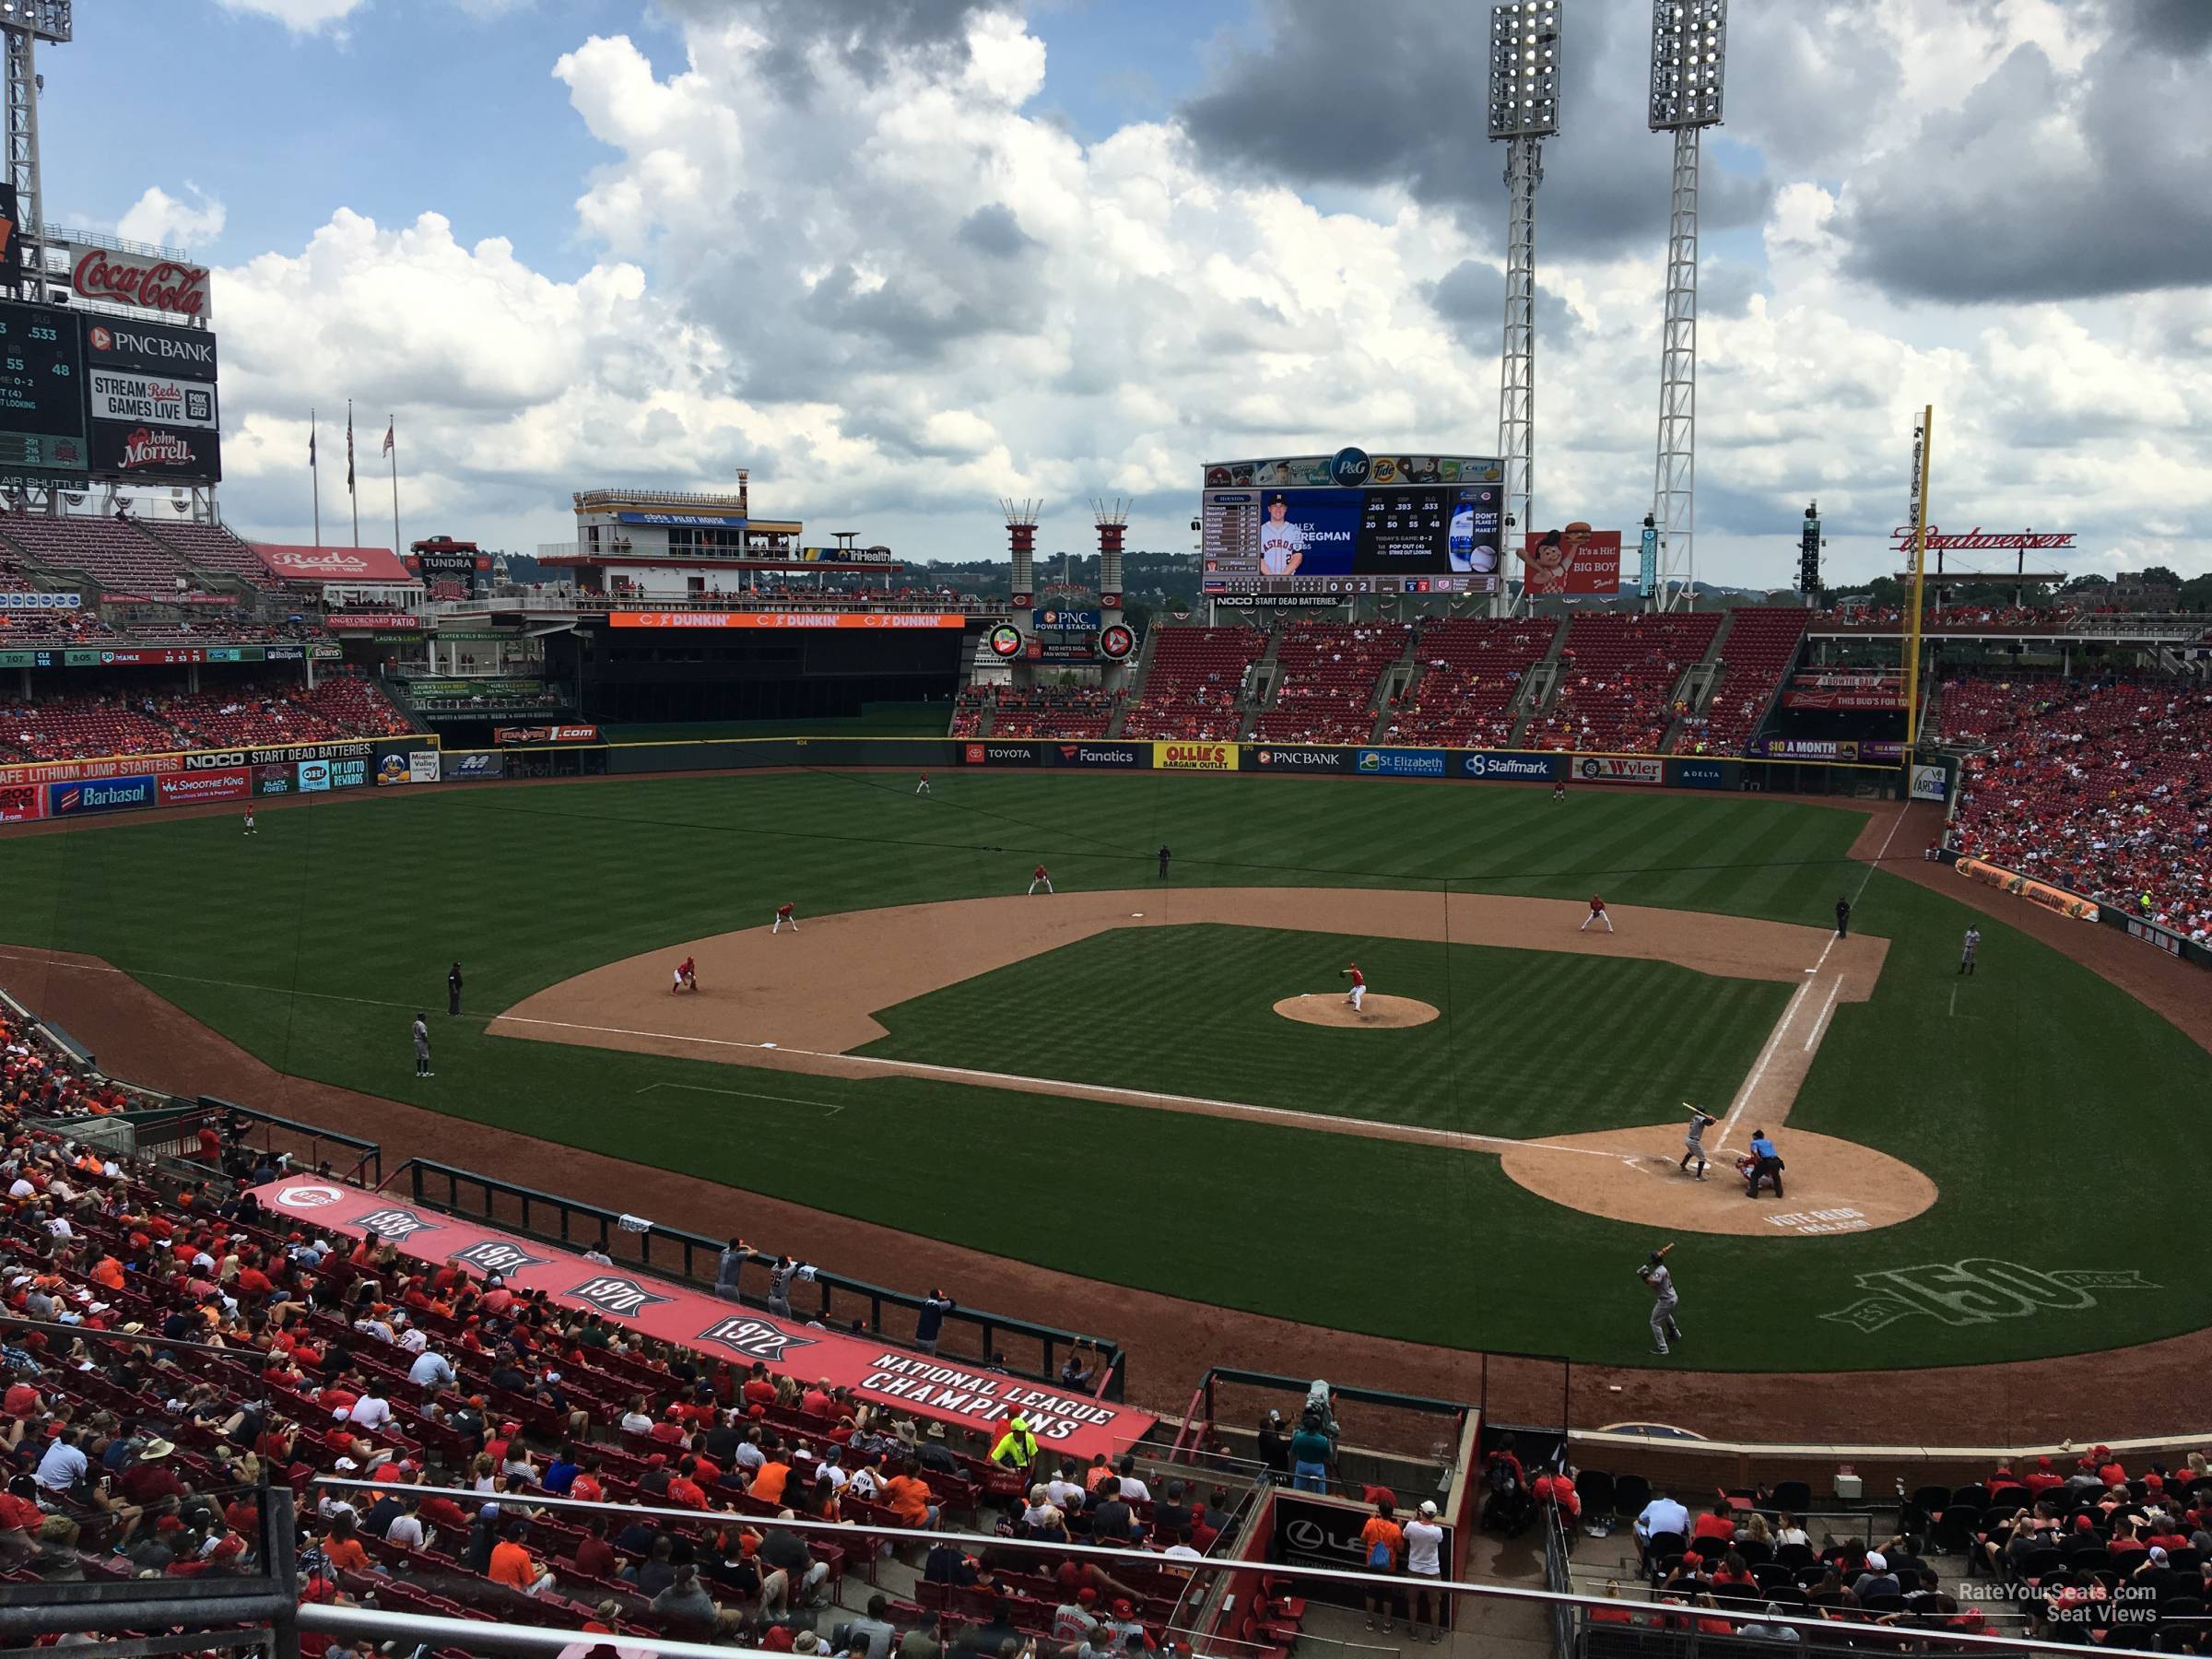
x=1327 y=1008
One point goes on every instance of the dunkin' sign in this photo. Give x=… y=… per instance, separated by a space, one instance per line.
x=161 y=285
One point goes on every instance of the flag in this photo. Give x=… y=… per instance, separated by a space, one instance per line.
x=311 y=449
x=387 y=438
x=349 y=452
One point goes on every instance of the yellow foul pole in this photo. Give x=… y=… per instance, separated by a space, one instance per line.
x=1922 y=440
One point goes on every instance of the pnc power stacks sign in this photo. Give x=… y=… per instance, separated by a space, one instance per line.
x=1194 y=757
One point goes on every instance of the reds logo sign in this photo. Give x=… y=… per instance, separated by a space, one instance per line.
x=310 y=1197
x=755 y=1338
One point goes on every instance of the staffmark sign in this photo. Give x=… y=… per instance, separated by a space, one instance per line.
x=1497 y=767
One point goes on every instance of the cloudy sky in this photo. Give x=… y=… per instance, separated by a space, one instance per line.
x=903 y=257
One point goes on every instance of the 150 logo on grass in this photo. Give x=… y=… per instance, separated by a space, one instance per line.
x=1979 y=1291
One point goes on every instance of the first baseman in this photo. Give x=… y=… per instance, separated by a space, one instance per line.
x=1356 y=996
x=1665 y=1300
x=1693 y=1139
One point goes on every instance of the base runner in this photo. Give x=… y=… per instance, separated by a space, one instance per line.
x=1356 y=996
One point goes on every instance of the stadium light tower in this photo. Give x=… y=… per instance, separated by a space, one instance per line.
x=25 y=23
x=1689 y=52
x=1525 y=110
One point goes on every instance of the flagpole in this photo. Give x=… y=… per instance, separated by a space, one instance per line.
x=350 y=489
x=391 y=449
x=315 y=475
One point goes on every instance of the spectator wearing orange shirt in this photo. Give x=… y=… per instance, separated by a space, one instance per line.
x=908 y=1498
x=769 y=1478
x=341 y=1549
x=1381 y=1542
x=512 y=1565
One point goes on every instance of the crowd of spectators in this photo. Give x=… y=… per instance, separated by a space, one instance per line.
x=1327 y=675
x=1619 y=679
x=343 y=703
x=2103 y=787
x=1053 y=711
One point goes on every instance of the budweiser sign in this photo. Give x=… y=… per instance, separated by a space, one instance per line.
x=2011 y=541
x=161 y=285
x=166 y=450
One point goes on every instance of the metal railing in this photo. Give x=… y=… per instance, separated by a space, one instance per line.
x=1039 y=1349
x=321 y=1146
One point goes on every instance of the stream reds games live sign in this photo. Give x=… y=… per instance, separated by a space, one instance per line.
x=938 y=1390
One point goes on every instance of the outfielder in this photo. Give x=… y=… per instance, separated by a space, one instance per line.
x=1597 y=913
x=785 y=917
x=1661 y=1283
x=1041 y=877
x=249 y=830
x=1966 y=953
x=1693 y=1139
x=922 y=787
x=1356 y=996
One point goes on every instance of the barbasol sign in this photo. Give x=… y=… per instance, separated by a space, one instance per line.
x=104 y=794
x=1498 y=767
x=1401 y=763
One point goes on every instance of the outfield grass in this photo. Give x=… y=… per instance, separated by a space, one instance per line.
x=312 y=944
x=1491 y=1065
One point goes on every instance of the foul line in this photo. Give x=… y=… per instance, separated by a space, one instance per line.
x=1895 y=826
x=1766 y=1058
x=744 y=1094
x=1368 y=1128
x=1819 y=1020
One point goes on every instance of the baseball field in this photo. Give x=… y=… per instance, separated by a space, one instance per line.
x=1105 y=1080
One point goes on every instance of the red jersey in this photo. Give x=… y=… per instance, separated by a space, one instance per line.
x=1597 y=905
x=1358 y=978
x=1038 y=873
x=782 y=909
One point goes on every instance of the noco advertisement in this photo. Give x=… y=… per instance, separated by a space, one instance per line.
x=1353 y=523
x=108 y=398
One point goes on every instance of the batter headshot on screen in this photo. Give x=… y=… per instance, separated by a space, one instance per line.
x=1282 y=542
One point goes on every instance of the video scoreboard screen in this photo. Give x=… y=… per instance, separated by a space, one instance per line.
x=1352 y=523
x=41 y=391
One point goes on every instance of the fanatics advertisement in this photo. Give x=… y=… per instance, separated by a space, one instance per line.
x=1576 y=559
x=1119 y=756
x=937 y=1390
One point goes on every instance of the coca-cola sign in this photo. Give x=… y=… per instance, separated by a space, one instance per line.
x=153 y=284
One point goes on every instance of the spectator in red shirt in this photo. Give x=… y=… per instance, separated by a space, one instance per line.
x=684 y=1489
x=1717 y=1523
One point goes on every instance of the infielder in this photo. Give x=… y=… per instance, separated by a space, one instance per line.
x=1693 y=1139
x=1966 y=954
x=1356 y=996
x=1665 y=1300
x=785 y=917
x=687 y=977
x=922 y=787
x=1041 y=877
x=1597 y=913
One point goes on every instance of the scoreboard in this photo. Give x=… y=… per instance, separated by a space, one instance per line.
x=104 y=397
x=1352 y=523
x=42 y=411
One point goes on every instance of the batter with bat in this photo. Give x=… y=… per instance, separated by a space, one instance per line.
x=1661 y=1283
x=1693 y=1139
